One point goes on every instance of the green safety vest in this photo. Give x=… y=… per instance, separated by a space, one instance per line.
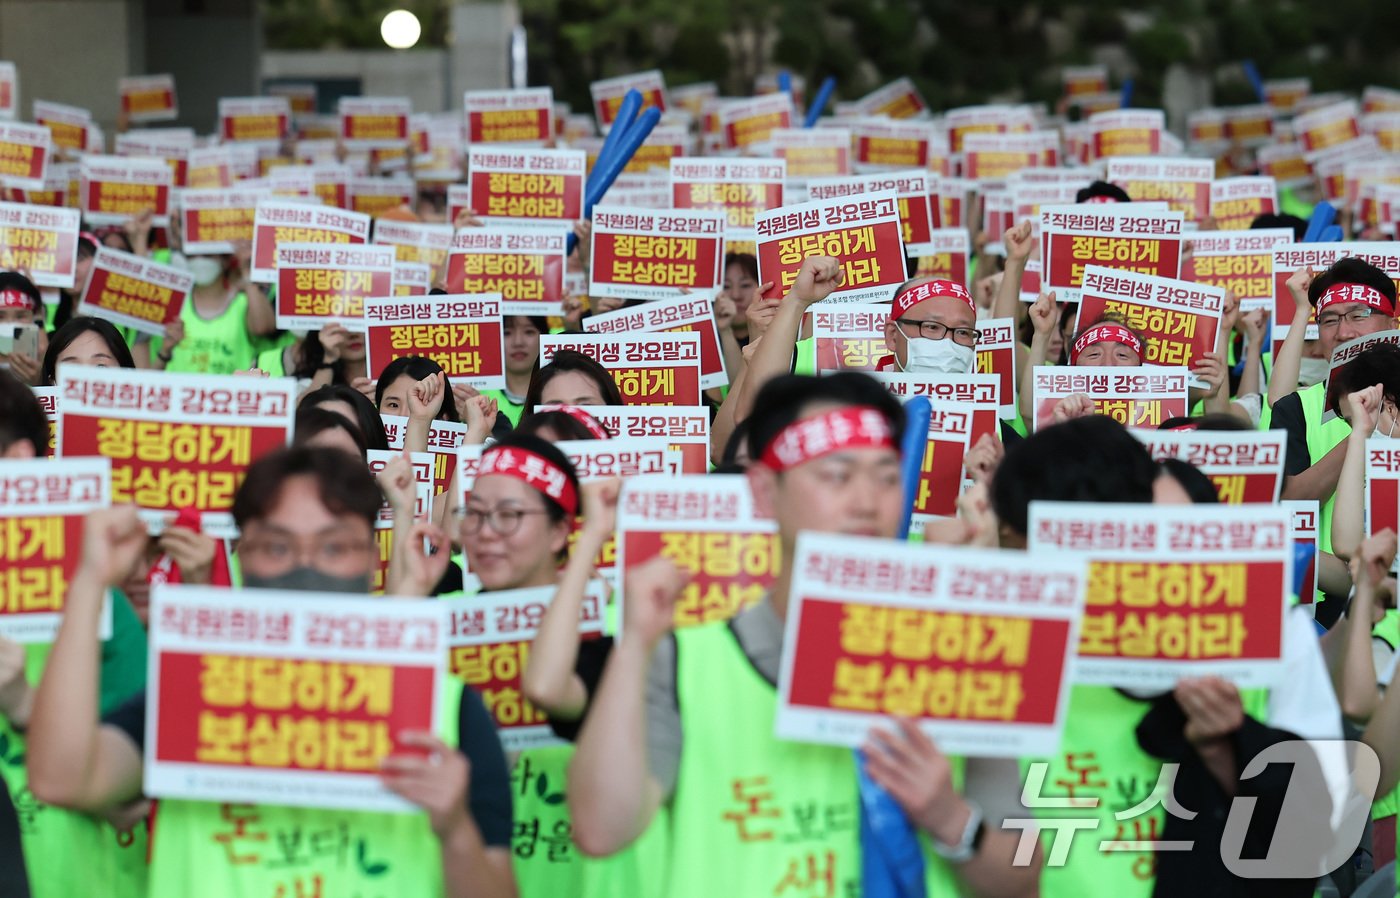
x=259 y=851
x=512 y=410
x=806 y=362
x=1387 y=630
x=1099 y=758
x=753 y=815
x=108 y=863
x=218 y=346
x=270 y=360
x=543 y=854
x=1322 y=439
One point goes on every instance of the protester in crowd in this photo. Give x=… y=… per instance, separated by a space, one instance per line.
x=306 y=516
x=318 y=426
x=112 y=846
x=21 y=303
x=222 y=317
x=326 y=356
x=85 y=341
x=352 y=405
x=1206 y=724
x=1352 y=299
x=572 y=378
x=522 y=348
x=694 y=712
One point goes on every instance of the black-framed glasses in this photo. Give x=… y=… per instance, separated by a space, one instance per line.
x=1355 y=316
x=937 y=330
x=504 y=521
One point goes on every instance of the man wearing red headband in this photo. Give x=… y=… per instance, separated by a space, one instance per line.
x=932 y=329
x=21 y=303
x=1352 y=299
x=685 y=720
x=1107 y=344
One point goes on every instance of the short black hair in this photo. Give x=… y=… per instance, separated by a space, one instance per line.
x=783 y=400
x=21 y=416
x=371 y=425
x=746 y=261
x=312 y=420
x=419 y=368
x=1102 y=188
x=528 y=442
x=75 y=328
x=1352 y=270
x=1212 y=421
x=1191 y=479
x=1090 y=459
x=343 y=482
x=1275 y=220
x=570 y=360
x=1378 y=364
x=566 y=426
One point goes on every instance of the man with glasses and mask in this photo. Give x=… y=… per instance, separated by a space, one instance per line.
x=306 y=516
x=932 y=329
x=1352 y=299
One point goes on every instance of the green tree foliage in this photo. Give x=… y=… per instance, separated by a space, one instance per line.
x=958 y=53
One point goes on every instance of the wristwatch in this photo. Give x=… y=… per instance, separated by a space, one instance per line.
x=971 y=839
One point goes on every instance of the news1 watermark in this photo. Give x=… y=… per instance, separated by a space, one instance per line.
x=1306 y=843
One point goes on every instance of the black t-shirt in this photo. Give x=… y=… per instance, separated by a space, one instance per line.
x=488 y=796
x=14 y=883
x=1288 y=415
x=592 y=657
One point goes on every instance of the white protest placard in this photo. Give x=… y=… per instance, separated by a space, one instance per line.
x=863 y=233
x=687 y=313
x=175 y=441
x=850 y=337
x=650 y=369
x=322 y=283
x=148 y=98
x=287 y=221
x=461 y=333
x=114 y=188
x=974 y=644
x=522 y=117
x=254 y=699
x=1134 y=397
x=25 y=151
x=1244 y=466
x=1174 y=591
x=707 y=526
x=43 y=503
x=653 y=254
x=489 y=640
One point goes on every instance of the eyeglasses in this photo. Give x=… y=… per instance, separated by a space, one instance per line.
x=1355 y=316
x=329 y=555
x=504 y=521
x=937 y=330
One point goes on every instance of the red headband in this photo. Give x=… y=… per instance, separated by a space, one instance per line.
x=1359 y=293
x=1105 y=333
x=1101 y=198
x=853 y=427
x=929 y=290
x=16 y=299
x=535 y=471
x=589 y=422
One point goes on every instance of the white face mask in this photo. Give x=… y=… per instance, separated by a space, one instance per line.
x=1312 y=371
x=939 y=357
x=206 y=269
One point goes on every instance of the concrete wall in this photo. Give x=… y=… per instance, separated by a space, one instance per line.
x=211 y=55
x=434 y=79
x=420 y=75
x=73 y=51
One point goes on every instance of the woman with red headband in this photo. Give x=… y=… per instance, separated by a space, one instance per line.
x=514 y=528
x=1108 y=343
